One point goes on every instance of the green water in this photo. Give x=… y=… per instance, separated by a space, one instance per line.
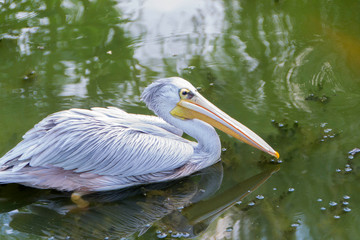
x=289 y=70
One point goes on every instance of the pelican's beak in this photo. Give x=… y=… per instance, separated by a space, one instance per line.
x=198 y=107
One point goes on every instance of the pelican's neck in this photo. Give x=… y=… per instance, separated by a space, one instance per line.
x=208 y=148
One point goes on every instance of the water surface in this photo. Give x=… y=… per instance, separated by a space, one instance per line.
x=287 y=70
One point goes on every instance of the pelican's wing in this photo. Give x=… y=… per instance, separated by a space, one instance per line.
x=102 y=141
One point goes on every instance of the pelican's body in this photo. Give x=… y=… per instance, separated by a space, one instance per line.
x=106 y=148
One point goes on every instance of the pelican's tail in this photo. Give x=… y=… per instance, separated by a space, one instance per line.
x=8 y=176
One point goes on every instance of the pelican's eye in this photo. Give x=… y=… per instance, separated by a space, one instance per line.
x=186 y=94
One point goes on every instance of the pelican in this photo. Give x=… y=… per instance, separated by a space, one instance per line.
x=104 y=149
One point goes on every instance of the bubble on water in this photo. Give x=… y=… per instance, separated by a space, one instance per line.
x=162 y=235
x=348 y=169
x=323 y=208
x=239 y=202
x=158 y=231
x=186 y=235
x=251 y=203
x=351 y=157
x=323 y=124
x=346 y=197
x=319 y=200
x=345 y=203
x=338 y=170
x=229 y=229
x=291 y=189
x=260 y=197
x=327 y=130
x=274 y=188
x=332 y=203
x=176 y=235
x=223 y=149
x=336 y=216
x=346 y=209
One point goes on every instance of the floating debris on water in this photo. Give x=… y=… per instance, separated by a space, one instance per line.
x=323 y=208
x=291 y=189
x=348 y=169
x=345 y=203
x=327 y=130
x=321 y=99
x=336 y=216
x=346 y=197
x=319 y=200
x=176 y=235
x=260 y=197
x=346 y=209
x=30 y=76
x=186 y=235
x=162 y=235
x=274 y=188
x=223 y=149
x=239 y=202
x=354 y=151
x=338 y=170
x=332 y=203
x=251 y=203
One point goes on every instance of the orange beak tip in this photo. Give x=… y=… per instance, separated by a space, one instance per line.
x=277 y=155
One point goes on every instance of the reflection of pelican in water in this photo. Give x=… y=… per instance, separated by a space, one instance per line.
x=122 y=213
x=104 y=149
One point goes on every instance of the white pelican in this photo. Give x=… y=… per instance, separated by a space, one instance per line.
x=106 y=148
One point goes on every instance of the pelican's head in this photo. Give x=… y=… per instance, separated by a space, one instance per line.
x=182 y=100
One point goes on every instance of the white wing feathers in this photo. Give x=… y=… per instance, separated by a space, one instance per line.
x=104 y=141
